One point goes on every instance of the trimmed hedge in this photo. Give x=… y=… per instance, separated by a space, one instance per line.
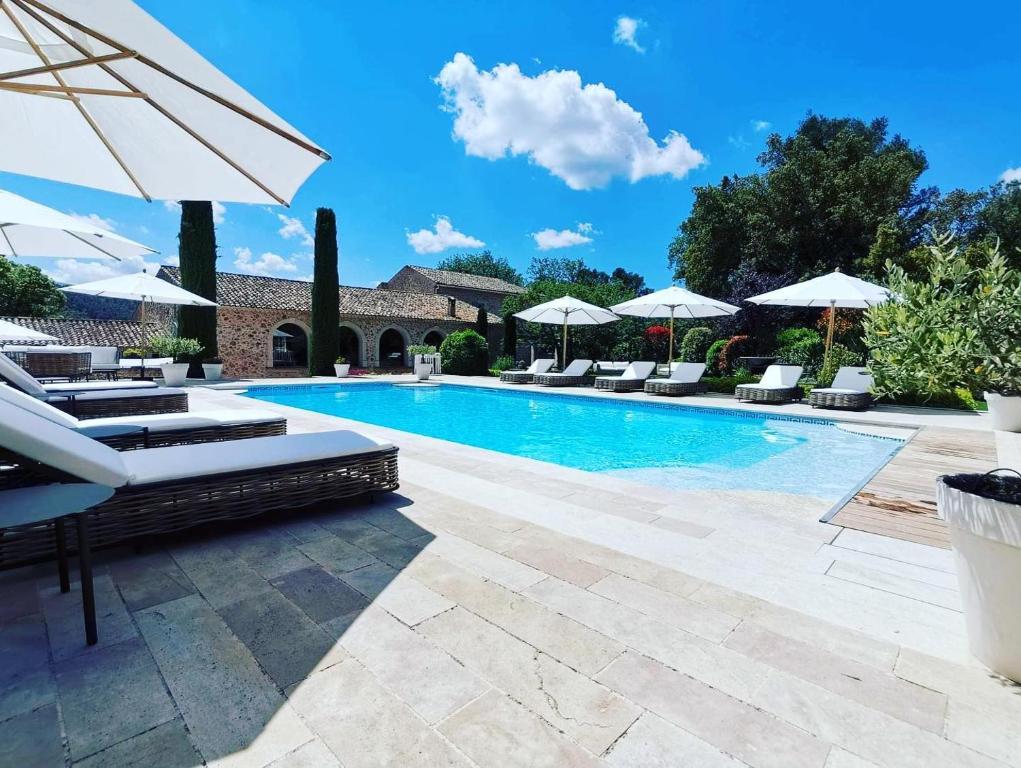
x=465 y=353
x=695 y=344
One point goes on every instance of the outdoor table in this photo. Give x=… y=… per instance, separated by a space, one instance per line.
x=56 y=503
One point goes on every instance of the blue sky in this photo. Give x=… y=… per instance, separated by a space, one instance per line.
x=592 y=167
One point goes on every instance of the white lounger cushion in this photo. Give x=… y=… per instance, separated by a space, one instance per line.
x=640 y=371
x=155 y=465
x=850 y=380
x=540 y=365
x=576 y=368
x=19 y=377
x=108 y=394
x=95 y=386
x=9 y=394
x=161 y=422
x=689 y=373
x=779 y=377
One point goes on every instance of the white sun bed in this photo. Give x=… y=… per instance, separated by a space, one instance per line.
x=632 y=379
x=540 y=365
x=779 y=384
x=572 y=376
x=684 y=379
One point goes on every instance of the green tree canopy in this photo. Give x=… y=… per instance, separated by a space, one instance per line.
x=27 y=291
x=484 y=264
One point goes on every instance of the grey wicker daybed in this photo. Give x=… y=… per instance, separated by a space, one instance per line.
x=684 y=379
x=779 y=384
x=162 y=490
x=631 y=380
x=539 y=366
x=572 y=376
x=849 y=391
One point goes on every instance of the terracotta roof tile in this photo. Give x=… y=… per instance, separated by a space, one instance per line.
x=74 y=331
x=463 y=280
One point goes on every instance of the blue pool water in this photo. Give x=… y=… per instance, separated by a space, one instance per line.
x=654 y=443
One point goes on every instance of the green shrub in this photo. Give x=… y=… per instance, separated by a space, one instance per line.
x=503 y=363
x=465 y=353
x=180 y=349
x=727 y=384
x=839 y=357
x=735 y=347
x=421 y=349
x=695 y=344
x=800 y=346
x=132 y=353
x=960 y=399
x=712 y=356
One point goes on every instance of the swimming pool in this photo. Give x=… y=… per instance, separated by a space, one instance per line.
x=655 y=443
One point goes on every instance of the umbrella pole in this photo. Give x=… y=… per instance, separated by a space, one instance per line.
x=829 y=333
x=670 y=348
x=145 y=338
x=563 y=360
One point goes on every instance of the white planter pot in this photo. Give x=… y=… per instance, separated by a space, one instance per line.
x=341 y=369
x=212 y=371
x=986 y=537
x=174 y=374
x=1005 y=411
x=422 y=371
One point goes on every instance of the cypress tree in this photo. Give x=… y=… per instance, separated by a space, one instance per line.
x=325 y=339
x=482 y=323
x=197 y=241
x=510 y=335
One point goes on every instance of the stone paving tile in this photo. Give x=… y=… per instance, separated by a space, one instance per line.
x=875 y=736
x=859 y=682
x=336 y=555
x=270 y=553
x=990 y=731
x=556 y=563
x=20 y=599
x=221 y=576
x=32 y=740
x=973 y=685
x=392 y=550
x=589 y=713
x=682 y=526
x=319 y=594
x=652 y=742
x=730 y=725
x=495 y=731
x=165 y=746
x=840 y=758
x=66 y=624
x=149 y=579
x=234 y=713
x=898 y=585
x=109 y=696
x=666 y=607
x=26 y=680
x=282 y=638
x=493 y=566
x=365 y=725
x=569 y=641
x=469 y=529
x=315 y=754
x=404 y=597
x=302 y=530
x=392 y=521
x=421 y=674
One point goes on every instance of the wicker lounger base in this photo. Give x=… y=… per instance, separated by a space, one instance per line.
x=857 y=401
x=516 y=377
x=547 y=380
x=619 y=385
x=123 y=406
x=667 y=387
x=760 y=395
x=177 y=505
x=216 y=434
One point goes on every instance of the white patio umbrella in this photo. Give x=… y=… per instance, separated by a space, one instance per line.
x=142 y=287
x=834 y=291
x=674 y=302
x=101 y=94
x=14 y=332
x=566 y=311
x=31 y=229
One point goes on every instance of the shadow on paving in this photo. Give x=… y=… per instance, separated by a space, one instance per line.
x=201 y=637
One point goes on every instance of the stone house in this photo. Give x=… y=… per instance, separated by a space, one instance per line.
x=488 y=292
x=264 y=323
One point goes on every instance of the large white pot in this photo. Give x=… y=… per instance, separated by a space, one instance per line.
x=212 y=371
x=341 y=369
x=422 y=370
x=986 y=537
x=1005 y=411
x=174 y=374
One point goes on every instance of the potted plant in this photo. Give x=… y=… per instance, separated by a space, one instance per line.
x=422 y=359
x=1003 y=386
x=341 y=367
x=178 y=349
x=984 y=516
x=212 y=368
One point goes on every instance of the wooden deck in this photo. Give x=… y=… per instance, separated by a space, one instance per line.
x=900 y=501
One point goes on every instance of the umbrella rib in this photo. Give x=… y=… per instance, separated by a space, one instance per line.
x=10 y=245
x=67 y=65
x=187 y=83
x=91 y=245
x=74 y=99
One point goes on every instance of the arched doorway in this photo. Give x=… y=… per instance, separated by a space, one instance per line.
x=350 y=345
x=392 y=349
x=433 y=339
x=290 y=346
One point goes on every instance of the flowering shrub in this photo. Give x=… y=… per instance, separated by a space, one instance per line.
x=712 y=356
x=656 y=339
x=733 y=349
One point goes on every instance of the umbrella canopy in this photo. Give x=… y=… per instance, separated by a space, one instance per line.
x=15 y=332
x=674 y=302
x=101 y=94
x=566 y=311
x=31 y=229
x=833 y=291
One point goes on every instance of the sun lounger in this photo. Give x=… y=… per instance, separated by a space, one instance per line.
x=631 y=380
x=156 y=430
x=684 y=379
x=162 y=490
x=572 y=376
x=90 y=400
x=779 y=384
x=542 y=365
x=850 y=390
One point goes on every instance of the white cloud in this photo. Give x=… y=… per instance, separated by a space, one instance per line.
x=548 y=239
x=1011 y=174
x=738 y=142
x=71 y=271
x=582 y=134
x=266 y=265
x=761 y=125
x=625 y=32
x=293 y=227
x=95 y=220
x=219 y=210
x=442 y=237
x=172 y=206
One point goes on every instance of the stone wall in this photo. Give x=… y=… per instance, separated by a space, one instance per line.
x=491 y=301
